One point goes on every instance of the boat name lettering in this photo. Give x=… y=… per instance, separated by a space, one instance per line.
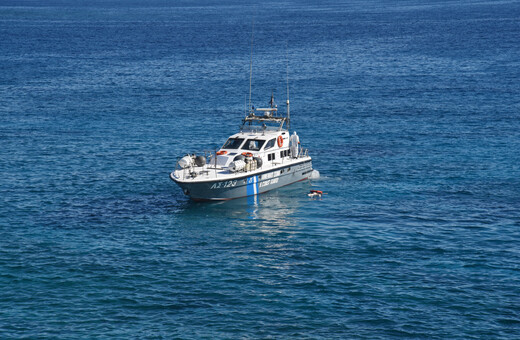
x=269 y=181
x=226 y=184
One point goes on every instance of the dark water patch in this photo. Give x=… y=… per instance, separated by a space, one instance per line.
x=408 y=109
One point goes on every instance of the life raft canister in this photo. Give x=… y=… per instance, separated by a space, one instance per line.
x=222 y=152
x=247 y=154
x=280 y=141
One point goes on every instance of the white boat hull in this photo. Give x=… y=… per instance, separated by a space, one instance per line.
x=245 y=184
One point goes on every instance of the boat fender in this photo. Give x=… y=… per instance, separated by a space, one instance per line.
x=280 y=141
x=258 y=162
x=200 y=160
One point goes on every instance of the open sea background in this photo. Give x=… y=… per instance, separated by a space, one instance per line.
x=410 y=110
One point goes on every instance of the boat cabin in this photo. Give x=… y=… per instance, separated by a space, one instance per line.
x=267 y=144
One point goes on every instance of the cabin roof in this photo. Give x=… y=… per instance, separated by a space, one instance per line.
x=260 y=135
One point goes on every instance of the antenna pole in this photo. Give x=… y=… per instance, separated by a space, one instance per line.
x=287 y=76
x=251 y=63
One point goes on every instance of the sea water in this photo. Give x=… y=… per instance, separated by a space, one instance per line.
x=409 y=109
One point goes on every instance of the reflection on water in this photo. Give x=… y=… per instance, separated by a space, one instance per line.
x=252 y=202
x=276 y=208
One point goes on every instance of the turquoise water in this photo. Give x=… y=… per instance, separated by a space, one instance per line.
x=410 y=111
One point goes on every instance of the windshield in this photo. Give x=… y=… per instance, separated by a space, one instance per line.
x=233 y=143
x=253 y=145
x=270 y=144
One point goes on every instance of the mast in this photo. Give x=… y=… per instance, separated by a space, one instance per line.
x=251 y=63
x=287 y=77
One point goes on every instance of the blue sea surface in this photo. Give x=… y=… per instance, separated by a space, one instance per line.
x=410 y=110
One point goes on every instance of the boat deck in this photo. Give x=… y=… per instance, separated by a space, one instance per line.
x=209 y=172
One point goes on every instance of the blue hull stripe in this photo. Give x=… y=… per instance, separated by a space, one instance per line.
x=252 y=185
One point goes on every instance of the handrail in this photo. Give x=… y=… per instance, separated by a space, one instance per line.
x=190 y=172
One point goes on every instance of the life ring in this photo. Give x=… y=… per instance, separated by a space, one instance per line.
x=247 y=154
x=280 y=141
x=221 y=152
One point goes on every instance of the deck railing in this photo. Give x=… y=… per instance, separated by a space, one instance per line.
x=211 y=165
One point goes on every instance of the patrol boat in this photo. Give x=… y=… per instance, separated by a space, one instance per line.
x=261 y=157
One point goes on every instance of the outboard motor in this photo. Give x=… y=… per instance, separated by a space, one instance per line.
x=186 y=162
x=239 y=157
x=237 y=165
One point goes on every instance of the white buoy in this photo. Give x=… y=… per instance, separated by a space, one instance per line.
x=315 y=174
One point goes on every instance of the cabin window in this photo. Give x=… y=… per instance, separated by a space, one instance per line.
x=253 y=144
x=284 y=153
x=271 y=157
x=270 y=144
x=233 y=143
